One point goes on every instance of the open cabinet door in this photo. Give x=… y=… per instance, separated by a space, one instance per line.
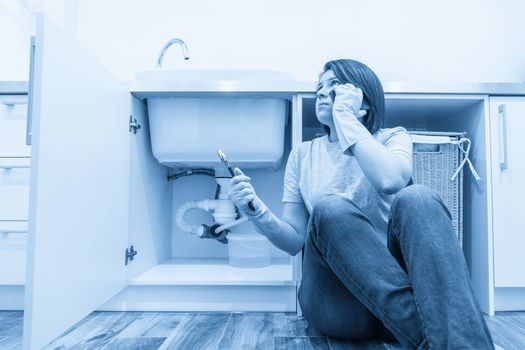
x=78 y=211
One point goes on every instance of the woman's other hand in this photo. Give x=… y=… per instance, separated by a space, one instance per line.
x=348 y=99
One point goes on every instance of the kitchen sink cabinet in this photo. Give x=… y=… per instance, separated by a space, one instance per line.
x=96 y=190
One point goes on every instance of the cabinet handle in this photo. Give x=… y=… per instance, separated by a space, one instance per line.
x=29 y=121
x=15 y=163
x=14 y=103
x=502 y=115
x=7 y=231
x=14 y=166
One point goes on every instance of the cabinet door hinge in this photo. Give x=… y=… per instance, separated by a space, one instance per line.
x=133 y=124
x=130 y=253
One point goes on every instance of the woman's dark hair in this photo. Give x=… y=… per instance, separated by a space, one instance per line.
x=361 y=76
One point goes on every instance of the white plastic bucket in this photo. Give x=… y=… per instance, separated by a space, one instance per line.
x=248 y=250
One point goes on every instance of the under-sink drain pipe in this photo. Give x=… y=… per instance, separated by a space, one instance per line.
x=205 y=204
x=224 y=213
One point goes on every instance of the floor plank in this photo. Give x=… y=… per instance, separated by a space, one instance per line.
x=517 y=321
x=153 y=324
x=172 y=330
x=197 y=331
x=249 y=331
x=290 y=325
x=77 y=332
x=169 y=321
x=128 y=343
x=12 y=324
x=10 y=314
x=107 y=330
x=141 y=325
x=300 y=343
x=11 y=343
x=95 y=332
x=505 y=331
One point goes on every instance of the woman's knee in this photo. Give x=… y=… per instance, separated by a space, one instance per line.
x=417 y=197
x=333 y=206
x=329 y=212
x=415 y=193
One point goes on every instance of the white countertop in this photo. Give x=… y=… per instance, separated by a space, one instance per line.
x=281 y=89
x=268 y=88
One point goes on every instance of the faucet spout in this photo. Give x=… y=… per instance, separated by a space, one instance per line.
x=167 y=45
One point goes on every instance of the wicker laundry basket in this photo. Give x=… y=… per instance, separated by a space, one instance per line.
x=438 y=163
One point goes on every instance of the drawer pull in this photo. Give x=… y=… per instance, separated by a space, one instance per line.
x=502 y=114
x=14 y=166
x=13 y=103
x=14 y=230
x=29 y=121
x=15 y=163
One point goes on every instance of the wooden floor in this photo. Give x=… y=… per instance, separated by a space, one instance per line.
x=169 y=330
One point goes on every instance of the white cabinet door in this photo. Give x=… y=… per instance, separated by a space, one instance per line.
x=14 y=189
x=507 y=119
x=12 y=254
x=79 y=189
x=13 y=114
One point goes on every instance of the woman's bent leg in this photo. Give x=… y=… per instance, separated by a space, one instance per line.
x=329 y=306
x=342 y=237
x=421 y=236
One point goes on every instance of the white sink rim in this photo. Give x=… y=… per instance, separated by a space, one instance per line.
x=210 y=75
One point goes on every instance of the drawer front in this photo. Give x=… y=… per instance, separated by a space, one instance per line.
x=13 y=247
x=13 y=116
x=14 y=192
x=508 y=171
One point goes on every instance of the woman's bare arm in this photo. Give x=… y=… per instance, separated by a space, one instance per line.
x=287 y=234
x=387 y=171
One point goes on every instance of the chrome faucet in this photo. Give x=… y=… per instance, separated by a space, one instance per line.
x=167 y=45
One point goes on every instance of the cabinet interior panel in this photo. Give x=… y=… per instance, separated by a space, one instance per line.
x=450 y=113
x=150 y=200
x=154 y=202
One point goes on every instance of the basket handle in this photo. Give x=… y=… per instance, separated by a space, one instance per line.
x=438 y=139
x=466 y=159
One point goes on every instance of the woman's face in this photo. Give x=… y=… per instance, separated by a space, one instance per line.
x=324 y=103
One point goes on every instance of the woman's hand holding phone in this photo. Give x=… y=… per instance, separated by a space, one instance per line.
x=347 y=115
x=349 y=99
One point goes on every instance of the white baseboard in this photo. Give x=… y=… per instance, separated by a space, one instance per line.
x=12 y=297
x=201 y=298
x=509 y=299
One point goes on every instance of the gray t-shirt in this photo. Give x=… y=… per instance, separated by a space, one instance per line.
x=318 y=168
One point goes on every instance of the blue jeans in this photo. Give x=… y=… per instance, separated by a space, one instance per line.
x=411 y=284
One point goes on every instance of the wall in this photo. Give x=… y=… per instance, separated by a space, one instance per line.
x=15 y=30
x=16 y=27
x=423 y=40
